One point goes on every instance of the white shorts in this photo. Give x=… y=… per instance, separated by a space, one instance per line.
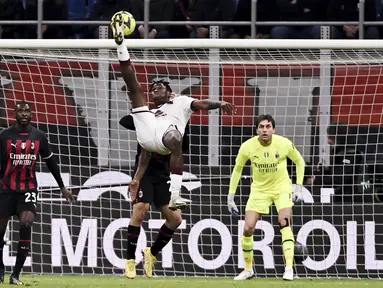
x=150 y=131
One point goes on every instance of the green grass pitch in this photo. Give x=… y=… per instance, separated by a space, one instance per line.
x=106 y=282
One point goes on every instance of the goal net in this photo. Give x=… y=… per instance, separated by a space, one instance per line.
x=78 y=96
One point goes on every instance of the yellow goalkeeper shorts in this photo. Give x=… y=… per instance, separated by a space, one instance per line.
x=261 y=202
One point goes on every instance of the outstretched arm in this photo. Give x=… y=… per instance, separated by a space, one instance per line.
x=207 y=104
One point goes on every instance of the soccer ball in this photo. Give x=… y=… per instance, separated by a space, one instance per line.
x=128 y=20
x=300 y=253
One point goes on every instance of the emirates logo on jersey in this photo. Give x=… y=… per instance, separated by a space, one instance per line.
x=22 y=159
x=266 y=167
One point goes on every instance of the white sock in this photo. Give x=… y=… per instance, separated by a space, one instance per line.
x=122 y=52
x=175 y=184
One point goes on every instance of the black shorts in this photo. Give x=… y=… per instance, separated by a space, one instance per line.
x=156 y=192
x=13 y=203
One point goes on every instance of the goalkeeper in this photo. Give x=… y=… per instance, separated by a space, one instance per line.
x=271 y=184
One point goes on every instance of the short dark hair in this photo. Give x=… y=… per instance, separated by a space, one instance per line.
x=163 y=82
x=263 y=117
x=21 y=104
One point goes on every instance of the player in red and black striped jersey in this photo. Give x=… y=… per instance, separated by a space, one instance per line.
x=153 y=188
x=20 y=146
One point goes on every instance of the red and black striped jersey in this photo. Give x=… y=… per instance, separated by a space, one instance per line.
x=18 y=155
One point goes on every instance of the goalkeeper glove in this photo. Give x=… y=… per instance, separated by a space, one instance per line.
x=297 y=195
x=117 y=27
x=231 y=205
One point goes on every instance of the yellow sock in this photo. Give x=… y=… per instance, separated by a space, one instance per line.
x=288 y=245
x=248 y=251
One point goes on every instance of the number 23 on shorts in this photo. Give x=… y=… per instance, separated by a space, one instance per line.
x=30 y=197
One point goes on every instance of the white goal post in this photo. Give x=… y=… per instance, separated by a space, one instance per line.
x=333 y=44
x=78 y=97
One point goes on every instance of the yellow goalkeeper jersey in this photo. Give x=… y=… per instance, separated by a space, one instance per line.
x=268 y=164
